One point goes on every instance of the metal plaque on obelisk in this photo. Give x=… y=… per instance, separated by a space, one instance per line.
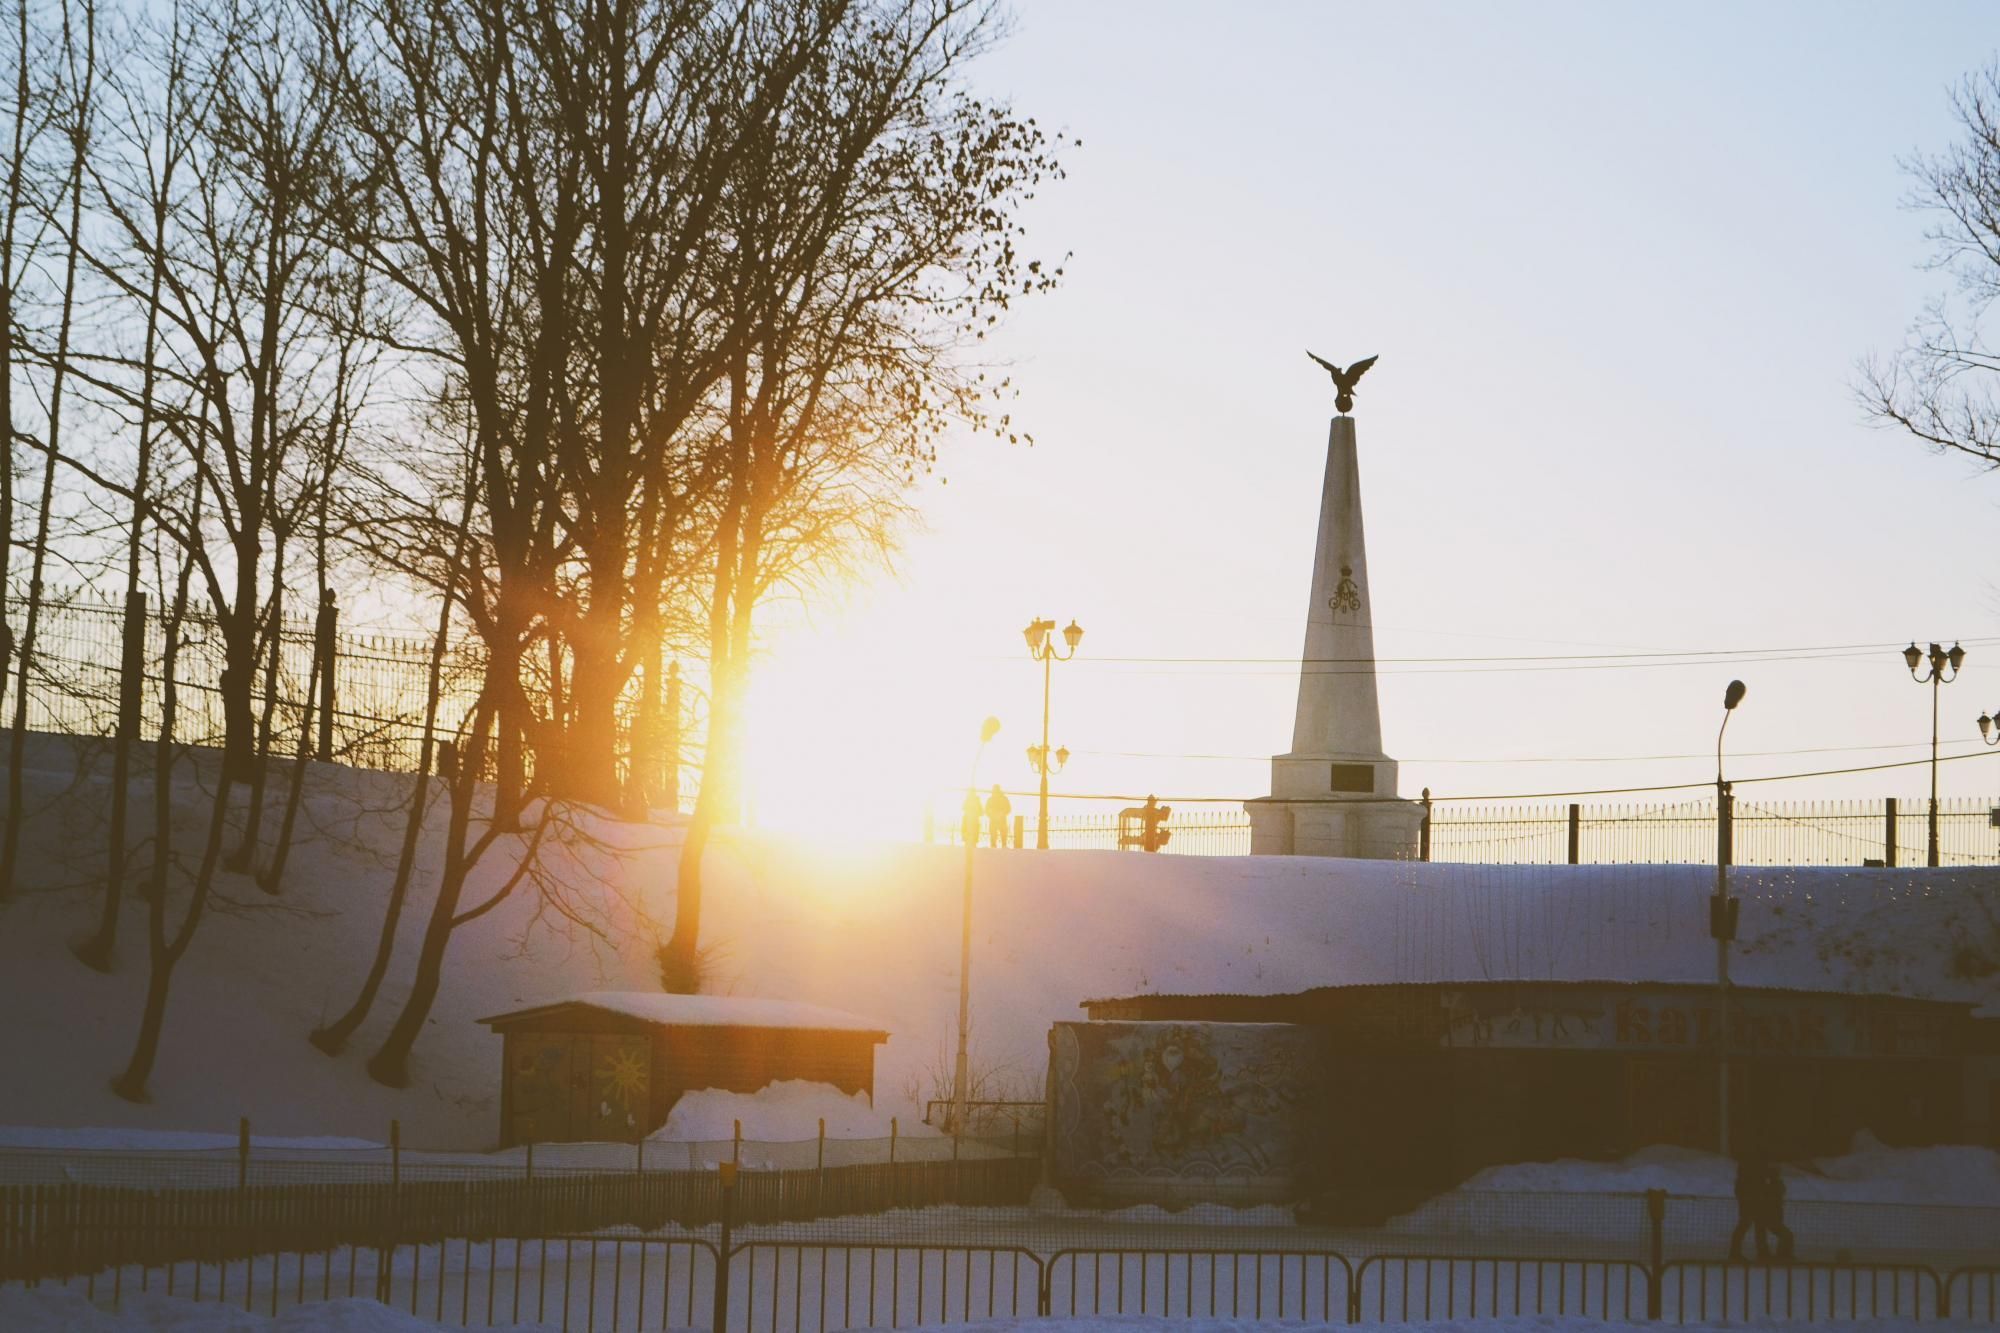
x=1334 y=792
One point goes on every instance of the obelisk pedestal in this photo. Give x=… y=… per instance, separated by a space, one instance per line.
x=1334 y=792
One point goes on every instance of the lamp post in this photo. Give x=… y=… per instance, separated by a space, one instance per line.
x=1041 y=646
x=1722 y=920
x=1986 y=726
x=969 y=829
x=1938 y=659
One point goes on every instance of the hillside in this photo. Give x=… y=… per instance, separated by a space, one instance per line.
x=868 y=928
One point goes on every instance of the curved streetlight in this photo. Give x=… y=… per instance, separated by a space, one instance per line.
x=1040 y=635
x=969 y=829
x=1989 y=733
x=1939 y=660
x=1722 y=918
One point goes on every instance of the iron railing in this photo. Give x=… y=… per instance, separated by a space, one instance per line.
x=1887 y=831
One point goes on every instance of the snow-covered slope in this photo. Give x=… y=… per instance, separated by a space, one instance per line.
x=869 y=929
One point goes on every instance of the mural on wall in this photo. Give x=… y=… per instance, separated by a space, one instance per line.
x=580 y=1086
x=1181 y=1102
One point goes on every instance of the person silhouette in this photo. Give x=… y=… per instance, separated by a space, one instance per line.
x=1760 y=1207
x=997 y=809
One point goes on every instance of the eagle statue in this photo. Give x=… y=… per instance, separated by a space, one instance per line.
x=1344 y=380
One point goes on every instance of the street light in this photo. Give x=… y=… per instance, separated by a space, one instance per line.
x=1939 y=659
x=1041 y=647
x=969 y=829
x=1986 y=725
x=1722 y=919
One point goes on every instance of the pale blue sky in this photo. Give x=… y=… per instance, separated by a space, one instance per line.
x=1619 y=262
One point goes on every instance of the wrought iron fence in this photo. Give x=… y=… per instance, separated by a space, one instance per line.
x=836 y=1276
x=380 y=682
x=1888 y=831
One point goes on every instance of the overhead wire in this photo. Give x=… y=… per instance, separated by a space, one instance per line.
x=1513 y=796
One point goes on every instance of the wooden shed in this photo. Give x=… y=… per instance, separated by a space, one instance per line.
x=609 y=1065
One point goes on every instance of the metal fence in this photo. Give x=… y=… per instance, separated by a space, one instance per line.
x=930 y=1268
x=380 y=682
x=1887 y=831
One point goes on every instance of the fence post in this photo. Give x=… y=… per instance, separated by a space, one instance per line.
x=727 y=1173
x=1575 y=832
x=1020 y=828
x=892 y=1161
x=531 y=1159
x=1656 y=1215
x=132 y=671
x=1725 y=811
x=819 y=1169
x=243 y=1153
x=1424 y=830
x=329 y=621
x=736 y=1143
x=1889 y=831
x=639 y=1164
x=396 y=1156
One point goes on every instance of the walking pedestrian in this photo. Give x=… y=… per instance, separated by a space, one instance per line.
x=1760 y=1207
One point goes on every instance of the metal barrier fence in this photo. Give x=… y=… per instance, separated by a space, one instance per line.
x=1886 y=831
x=1312 y=1285
x=609 y=1283
x=1710 y=1293
x=1464 y=1286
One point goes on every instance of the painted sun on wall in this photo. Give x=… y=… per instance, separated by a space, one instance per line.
x=1171 y=1111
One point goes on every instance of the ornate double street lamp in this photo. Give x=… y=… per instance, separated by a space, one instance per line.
x=969 y=829
x=1939 y=660
x=1041 y=646
x=1989 y=733
x=1722 y=919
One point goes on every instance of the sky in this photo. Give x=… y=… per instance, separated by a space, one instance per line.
x=1620 y=264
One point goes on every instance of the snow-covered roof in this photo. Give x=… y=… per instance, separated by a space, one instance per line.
x=706 y=1011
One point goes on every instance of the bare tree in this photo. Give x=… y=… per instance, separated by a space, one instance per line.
x=873 y=241
x=79 y=65
x=1941 y=388
x=28 y=113
x=157 y=124
x=165 y=949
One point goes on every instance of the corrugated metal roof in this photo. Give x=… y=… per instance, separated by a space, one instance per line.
x=707 y=1011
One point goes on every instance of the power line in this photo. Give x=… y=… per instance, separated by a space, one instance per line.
x=1546 y=759
x=1514 y=796
x=1717 y=654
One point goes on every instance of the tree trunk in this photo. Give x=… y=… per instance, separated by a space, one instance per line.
x=390 y=1065
x=334 y=1036
x=245 y=858
x=10 y=845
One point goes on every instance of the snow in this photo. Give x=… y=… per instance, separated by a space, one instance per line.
x=871 y=930
x=788 y=1111
x=711 y=1011
x=1962 y=1176
x=58 y=1310
x=63 y=1312
x=89 y=1138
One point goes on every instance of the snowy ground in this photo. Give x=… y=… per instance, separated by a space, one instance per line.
x=867 y=928
x=64 y=1312
x=609 y=1285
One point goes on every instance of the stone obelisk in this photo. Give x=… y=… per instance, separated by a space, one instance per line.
x=1334 y=792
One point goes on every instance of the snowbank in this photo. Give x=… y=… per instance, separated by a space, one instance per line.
x=873 y=930
x=1870 y=1173
x=785 y=1112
